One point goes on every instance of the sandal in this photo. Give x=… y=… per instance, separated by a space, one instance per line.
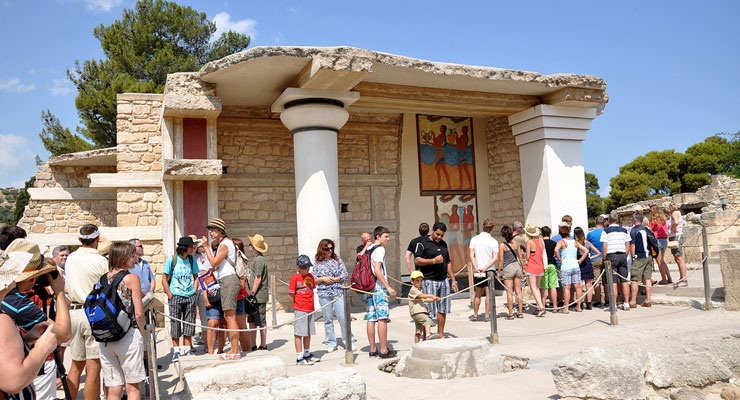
x=519 y=315
x=510 y=316
x=262 y=348
x=663 y=282
x=487 y=319
x=540 y=313
x=230 y=357
x=647 y=304
x=473 y=317
x=681 y=283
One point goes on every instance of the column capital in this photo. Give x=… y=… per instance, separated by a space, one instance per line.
x=313 y=110
x=551 y=122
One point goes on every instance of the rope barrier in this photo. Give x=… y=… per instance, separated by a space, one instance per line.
x=250 y=329
x=408 y=284
x=554 y=308
x=684 y=279
x=406 y=298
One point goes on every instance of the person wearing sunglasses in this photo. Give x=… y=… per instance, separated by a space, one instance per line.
x=330 y=272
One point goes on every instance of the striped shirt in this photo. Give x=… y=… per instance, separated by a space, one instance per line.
x=615 y=238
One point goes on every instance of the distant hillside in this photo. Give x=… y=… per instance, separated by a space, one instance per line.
x=7 y=203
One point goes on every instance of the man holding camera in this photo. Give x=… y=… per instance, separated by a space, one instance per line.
x=30 y=304
x=84 y=268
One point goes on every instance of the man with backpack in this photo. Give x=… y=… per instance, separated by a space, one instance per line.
x=378 y=304
x=84 y=268
x=642 y=264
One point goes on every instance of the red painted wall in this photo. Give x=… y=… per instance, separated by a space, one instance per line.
x=194 y=138
x=195 y=204
x=194 y=193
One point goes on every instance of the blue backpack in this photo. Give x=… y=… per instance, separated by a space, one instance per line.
x=105 y=310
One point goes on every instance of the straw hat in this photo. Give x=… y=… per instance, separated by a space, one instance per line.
x=532 y=230
x=195 y=239
x=104 y=247
x=217 y=223
x=35 y=266
x=258 y=242
x=12 y=264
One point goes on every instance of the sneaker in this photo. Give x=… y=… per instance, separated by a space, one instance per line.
x=175 y=356
x=626 y=306
x=588 y=306
x=598 y=304
x=389 y=354
x=303 y=361
x=187 y=352
x=331 y=349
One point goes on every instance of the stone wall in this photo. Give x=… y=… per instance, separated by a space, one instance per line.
x=507 y=204
x=52 y=216
x=257 y=194
x=139 y=150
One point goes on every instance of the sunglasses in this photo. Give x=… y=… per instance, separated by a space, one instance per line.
x=328 y=249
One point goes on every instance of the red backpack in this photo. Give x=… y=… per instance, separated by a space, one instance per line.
x=363 y=277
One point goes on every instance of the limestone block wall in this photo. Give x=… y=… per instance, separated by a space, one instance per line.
x=139 y=150
x=53 y=216
x=257 y=194
x=507 y=204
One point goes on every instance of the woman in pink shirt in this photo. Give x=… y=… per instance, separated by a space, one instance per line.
x=659 y=228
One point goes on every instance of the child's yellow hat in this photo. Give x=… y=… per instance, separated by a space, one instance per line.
x=416 y=274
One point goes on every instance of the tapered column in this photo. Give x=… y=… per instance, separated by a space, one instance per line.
x=314 y=119
x=551 y=159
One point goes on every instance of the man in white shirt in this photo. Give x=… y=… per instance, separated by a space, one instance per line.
x=83 y=270
x=483 y=252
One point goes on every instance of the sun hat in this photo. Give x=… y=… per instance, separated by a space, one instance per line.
x=416 y=274
x=195 y=239
x=104 y=247
x=563 y=224
x=12 y=264
x=258 y=242
x=35 y=266
x=532 y=230
x=217 y=223
x=303 y=261
x=186 y=241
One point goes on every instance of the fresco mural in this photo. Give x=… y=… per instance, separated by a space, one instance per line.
x=446 y=163
x=460 y=214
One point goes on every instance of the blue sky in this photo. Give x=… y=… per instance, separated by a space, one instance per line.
x=672 y=67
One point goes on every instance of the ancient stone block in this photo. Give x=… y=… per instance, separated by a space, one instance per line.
x=341 y=384
x=449 y=359
x=729 y=262
x=685 y=369
x=234 y=375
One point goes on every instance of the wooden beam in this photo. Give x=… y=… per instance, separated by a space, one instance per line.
x=67 y=194
x=401 y=98
x=576 y=97
x=112 y=182
x=312 y=76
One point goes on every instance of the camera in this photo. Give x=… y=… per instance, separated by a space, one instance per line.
x=42 y=282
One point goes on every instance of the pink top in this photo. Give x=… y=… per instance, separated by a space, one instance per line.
x=534 y=265
x=659 y=229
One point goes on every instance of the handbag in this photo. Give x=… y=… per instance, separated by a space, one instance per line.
x=251 y=304
x=673 y=242
x=214 y=296
x=240 y=266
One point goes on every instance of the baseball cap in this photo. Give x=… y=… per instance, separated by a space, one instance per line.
x=303 y=261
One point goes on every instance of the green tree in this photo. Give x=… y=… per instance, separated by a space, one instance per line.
x=22 y=201
x=594 y=202
x=701 y=161
x=59 y=140
x=151 y=40
x=730 y=162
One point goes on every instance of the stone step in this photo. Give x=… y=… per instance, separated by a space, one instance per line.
x=693 y=291
x=232 y=375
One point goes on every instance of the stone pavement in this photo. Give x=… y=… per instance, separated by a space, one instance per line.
x=544 y=340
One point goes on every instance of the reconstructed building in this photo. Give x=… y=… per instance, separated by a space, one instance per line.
x=302 y=143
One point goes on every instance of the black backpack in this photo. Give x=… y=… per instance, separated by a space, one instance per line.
x=653 y=246
x=191 y=261
x=105 y=311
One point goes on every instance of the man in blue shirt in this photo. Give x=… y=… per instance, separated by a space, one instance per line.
x=642 y=265
x=142 y=269
x=594 y=237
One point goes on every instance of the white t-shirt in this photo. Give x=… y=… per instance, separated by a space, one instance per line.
x=378 y=255
x=484 y=246
x=225 y=269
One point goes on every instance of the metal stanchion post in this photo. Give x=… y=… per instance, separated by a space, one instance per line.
x=349 y=356
x=705 y=270
x=612 y=296
x=273 y=298
x=492 y=305
x=152 y=357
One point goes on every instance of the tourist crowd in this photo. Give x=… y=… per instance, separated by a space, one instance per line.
x=50 y=306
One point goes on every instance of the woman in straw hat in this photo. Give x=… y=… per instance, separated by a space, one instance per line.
x=20 y=365
x=330 y=272
x=535 y=267
x=223 y=262
x=23 y=306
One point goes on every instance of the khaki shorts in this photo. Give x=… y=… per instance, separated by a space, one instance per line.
x=82 y=346
x=420 y=321
x=230 y=286
x=678 y=251
x=260 y=317
x=598 y=268
x=511 y=271
x=123 y=361
x=642 y=269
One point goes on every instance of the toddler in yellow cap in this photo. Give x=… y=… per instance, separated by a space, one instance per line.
x=418 y=309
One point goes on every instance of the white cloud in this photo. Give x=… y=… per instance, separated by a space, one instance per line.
x=224 y=24
x=15 y=85
x=16 y=160
x=102 y=5
x=61 y=88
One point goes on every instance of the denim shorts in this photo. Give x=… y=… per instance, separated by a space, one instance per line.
x=662 y=244
x=241 y=307
x=214 y=312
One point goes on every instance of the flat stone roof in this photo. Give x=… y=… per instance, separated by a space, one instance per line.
x=258 y=75
x=97 y=157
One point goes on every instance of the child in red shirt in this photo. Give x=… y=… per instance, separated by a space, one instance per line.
x=300 y=291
